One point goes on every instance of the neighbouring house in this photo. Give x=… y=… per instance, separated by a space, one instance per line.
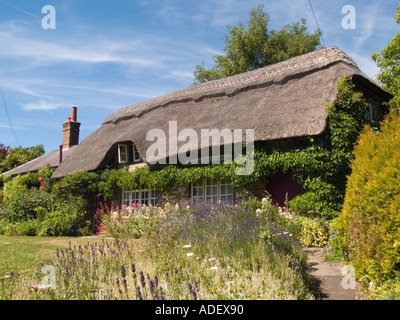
x=284 y=103
x=70 y=139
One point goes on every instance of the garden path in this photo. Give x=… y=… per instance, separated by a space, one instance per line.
x=329 y=279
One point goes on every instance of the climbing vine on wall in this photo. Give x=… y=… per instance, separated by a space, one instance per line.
x=319 y=165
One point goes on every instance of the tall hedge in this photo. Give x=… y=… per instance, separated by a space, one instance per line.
x=371 y=210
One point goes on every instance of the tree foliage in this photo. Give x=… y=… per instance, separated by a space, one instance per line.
x=389 y=63
x=11 y=158
x=255 y=47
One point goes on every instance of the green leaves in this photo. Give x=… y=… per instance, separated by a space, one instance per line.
x=370 y=213
x=389 y=63
x=256 y=47
x=11 y=158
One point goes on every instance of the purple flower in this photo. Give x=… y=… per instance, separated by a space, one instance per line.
x=123 y=271
x=142 y=281
x=138 y=293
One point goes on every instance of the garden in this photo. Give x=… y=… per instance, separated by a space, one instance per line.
x=251 y=250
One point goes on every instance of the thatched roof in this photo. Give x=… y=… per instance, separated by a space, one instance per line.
x=50 y=159
x=280 y=101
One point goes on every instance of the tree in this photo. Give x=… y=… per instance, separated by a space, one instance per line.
x=11 y=158
x=255 y=47
x=389 y=63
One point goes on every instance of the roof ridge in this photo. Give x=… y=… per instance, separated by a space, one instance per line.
x=323 y=56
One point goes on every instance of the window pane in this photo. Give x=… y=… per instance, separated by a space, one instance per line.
x=136 y=156
x=122 y=153
x=226 y=192
x=130 y=153
x=198 y=191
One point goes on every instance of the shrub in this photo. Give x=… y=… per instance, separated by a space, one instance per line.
x=130 y=222
x=20 y=203
x=27 y=228
x=337 y=247
x=312 y=232
x=371 y=211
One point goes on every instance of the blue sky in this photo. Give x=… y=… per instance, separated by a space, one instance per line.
x=104 y=55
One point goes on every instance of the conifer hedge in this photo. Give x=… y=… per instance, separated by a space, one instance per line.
x=371 y=210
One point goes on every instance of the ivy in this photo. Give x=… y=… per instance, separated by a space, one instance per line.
x=320 y=166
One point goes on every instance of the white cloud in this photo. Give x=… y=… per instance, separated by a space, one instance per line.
x=40 y=105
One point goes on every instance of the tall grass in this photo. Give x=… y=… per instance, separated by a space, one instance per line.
x=189 y=251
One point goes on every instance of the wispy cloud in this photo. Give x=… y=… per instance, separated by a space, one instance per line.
x=40 y=105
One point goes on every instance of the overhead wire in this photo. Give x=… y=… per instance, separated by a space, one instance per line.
x=316 y=21
x=7 y=114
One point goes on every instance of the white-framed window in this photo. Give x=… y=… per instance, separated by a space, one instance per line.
x=211 y=191
x=145 y=196
x=226 y=192
x=127 y=152
x=122 y=153
x=198 y=191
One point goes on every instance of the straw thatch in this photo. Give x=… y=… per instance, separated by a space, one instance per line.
x=280 y=101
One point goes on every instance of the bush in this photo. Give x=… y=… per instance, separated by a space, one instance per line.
x=371 y=211
x=34 y=204
x=311 y=232
x=20 y=203
x=27 y=228
x=322 y=197
x=130 y=222
x=337 y=248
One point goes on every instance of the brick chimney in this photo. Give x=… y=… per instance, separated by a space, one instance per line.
x=70 y=131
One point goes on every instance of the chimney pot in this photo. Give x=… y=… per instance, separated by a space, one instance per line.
x=73 y=114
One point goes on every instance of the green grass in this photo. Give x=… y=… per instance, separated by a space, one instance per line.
x=20 y=254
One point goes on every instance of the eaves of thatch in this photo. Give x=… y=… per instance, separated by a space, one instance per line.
x=280 y=101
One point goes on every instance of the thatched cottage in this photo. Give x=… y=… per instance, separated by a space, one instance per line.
x=284 y=103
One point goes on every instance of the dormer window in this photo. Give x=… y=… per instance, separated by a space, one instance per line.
x=127 y=153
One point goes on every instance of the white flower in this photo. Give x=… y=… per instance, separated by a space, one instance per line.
x=40 y=286
x=229 y=282
x=211 y=259
x=187 y=246
x=214 y=268
x=189 y=254
x=264 y=201
x=258 y=212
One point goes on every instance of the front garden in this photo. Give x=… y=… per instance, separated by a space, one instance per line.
x=249 y=251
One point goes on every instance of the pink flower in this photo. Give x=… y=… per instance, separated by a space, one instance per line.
x=42 y=185
x=40 y=179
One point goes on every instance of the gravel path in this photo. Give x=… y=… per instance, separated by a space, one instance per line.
x=332 y=280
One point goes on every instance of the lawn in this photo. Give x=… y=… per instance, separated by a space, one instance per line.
x=20 y=254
